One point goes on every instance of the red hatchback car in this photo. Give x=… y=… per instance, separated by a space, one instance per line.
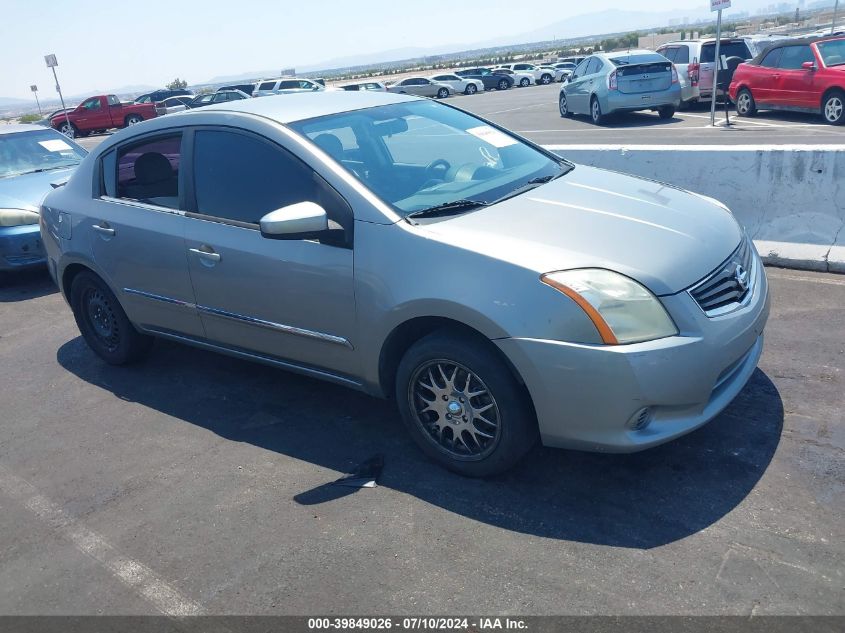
x=805 y=75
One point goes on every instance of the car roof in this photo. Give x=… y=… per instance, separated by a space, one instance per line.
x=21 y=127
x=293 y=107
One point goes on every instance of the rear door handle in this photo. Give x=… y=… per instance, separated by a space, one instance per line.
x=210 y=256
x=104 y=230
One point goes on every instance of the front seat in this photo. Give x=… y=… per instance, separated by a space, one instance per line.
x=330 y=144
x=154 y=178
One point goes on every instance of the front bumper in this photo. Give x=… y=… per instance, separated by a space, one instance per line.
x=21 y=247
x=589 y=396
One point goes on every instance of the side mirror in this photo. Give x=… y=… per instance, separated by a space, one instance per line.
x=303 y=220
x=808 y=65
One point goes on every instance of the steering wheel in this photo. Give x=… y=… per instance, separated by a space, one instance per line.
x=438 y=169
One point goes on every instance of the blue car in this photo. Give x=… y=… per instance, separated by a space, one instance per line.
x=606 y=83
x=31 y=158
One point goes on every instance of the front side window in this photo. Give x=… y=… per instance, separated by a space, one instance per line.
x=794 y=56
x=832 y=52
x=113 y=100
x=419 y=155
x=37 y=151
x=594 y=66
x=580 y=70
x=149 y=171
x=242 y=178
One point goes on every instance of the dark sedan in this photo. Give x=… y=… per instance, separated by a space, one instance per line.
x=218 y=97
x=490 y=79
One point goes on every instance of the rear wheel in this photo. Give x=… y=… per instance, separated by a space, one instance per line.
x=833 y=107
x=133 y=119
x=595 y=111
x=745 y=104
x=103 y=323
x=471 y=89
x=525 y=82
x=442 y=93
x=503 y=84
x=666 y=112
x=463 y=406
x=546 y=79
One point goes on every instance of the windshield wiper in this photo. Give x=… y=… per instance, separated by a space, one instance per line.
x=43 y=169
x=532 y=184
x=446 y=208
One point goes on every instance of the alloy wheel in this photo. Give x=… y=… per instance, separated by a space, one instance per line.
x=833 y=109
x=67 y=130
x=564 y=108
x=455 y=409
x=503 y=85
x=743 y=103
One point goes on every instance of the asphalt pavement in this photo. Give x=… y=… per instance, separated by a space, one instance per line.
x=533 y=113
x=195 y=483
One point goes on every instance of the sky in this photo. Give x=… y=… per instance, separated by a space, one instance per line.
x=107 y=45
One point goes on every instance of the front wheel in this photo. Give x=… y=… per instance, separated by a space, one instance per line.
x=563 y=104
x=103 y=323
x=133 y=119
x=463 y=406
x=524 y=82
x=68 y=129
x=833 y=108
x=595 y=112
x=666 y=112
x=503 y=85
x=471 y=89
x=745 y=105
x=546 y=80
x=442 y=93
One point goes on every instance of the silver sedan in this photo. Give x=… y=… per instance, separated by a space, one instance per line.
x=421 y=87
x=394 y=245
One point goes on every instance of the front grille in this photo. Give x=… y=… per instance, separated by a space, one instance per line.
x=727 y=287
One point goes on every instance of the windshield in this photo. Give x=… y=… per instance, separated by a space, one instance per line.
x=832 y=52
x=421 y=155
x=35 y=151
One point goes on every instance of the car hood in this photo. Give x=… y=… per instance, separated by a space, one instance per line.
x=27 y=191
x=662 y=236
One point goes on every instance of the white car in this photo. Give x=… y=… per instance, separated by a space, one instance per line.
x=540 y=75
x=459 y=84
x=559 y=73
x=285 y=85
x=519 y=79
x=173 y=104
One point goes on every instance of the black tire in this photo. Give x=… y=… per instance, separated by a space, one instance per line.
x=471 y=89
x=103 y=323
x=442 y=93
x=516 y=429
x=666 y=112
x=563 y=105
x=833 y=107
x=546 y=79
x=596 y=114
x=745 y=104
x=68 y=129
x=132 y=119
x=524 y=82
x=503 y=85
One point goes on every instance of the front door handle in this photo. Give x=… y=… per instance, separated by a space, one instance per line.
x=103 y=230
x=207 y=255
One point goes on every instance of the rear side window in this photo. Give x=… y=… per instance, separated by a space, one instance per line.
x=681 y=55
x=794 y=56
x=737 y=48
x=149 y=171
x=772 y=58
x=668 y=53
x=267 y=85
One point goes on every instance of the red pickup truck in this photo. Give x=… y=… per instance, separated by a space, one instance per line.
x=101 y=113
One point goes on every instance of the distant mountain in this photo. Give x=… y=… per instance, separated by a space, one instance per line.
x=8 y=101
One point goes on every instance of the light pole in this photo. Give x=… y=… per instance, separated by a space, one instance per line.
x=833 y=23
x=51 y=64
x=34 y=89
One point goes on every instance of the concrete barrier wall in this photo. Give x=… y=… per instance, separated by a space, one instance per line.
x=790 y=199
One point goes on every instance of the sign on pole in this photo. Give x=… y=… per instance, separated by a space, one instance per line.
x=719 y=5
x=51 y=61
x=51 y=64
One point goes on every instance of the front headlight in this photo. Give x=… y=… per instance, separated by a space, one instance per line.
x=622 y=310
x=17 y=217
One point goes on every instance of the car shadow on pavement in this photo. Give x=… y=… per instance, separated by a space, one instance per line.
x=641 y=500
x=25 y=284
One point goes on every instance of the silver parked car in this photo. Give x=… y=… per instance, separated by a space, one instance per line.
x=421 y=87
x=629 y=81
x=31 y=158
x=411 y=250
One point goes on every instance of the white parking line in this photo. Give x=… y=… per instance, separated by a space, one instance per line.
x=720 y=122
x=531 y=105
x=138 y=577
